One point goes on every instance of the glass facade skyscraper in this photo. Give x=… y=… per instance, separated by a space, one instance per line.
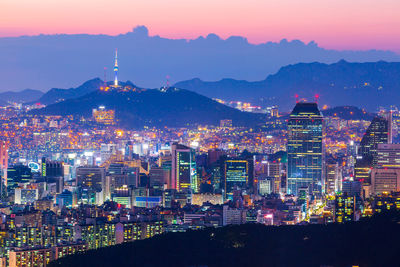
x=305 y=149
x=236 y=174
x=377 y=133
x=184 y=173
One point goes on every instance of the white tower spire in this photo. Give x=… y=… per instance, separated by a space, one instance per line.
x=116 y=68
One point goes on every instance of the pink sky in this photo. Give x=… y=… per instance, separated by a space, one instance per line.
x=339 y=24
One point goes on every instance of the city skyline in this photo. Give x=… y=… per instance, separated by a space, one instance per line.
x=212 y=133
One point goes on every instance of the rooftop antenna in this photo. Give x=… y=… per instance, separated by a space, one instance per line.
x=297 y=98
x=167 y=80
x=316 y=98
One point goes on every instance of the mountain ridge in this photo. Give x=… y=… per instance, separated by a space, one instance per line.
x=338 y=84
x=44 y=60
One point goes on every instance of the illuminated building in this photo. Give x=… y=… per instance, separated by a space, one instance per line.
x=150 y=229
x=199 y=199
x=236 y=175
x=233 y=216
x=333 y=178
x=305 y=149
x=127 y=232
x=362 y=170
x=274 y=169
x=385 y=181
x=104 y=116
x=32 y=257
x=225 y=123
x=377 y=133
x=96 y=236
x=385 y=201
x=345 y=208
x=65 y=250
x=52 y=168
x=274 y=111
x=18 y=174
x=266 y=185
x=91 y=177
x=388 y=156
x=25 y=195
x=3 y=167
x=147 y=201
x=184 y=173
x=28 y=237
x=65 y=199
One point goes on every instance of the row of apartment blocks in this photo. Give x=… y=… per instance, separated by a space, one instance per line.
x=40 y=256
x=35 y=246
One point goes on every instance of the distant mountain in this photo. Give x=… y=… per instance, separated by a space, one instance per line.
x=57 y=94
x=368 y=85
x=23 y=96
x=153 y=107
x=65 y=59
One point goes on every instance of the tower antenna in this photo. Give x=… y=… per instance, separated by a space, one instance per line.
x=116 y=68
x=167 y=80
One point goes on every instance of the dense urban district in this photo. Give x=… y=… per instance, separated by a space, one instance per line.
x=74 y=183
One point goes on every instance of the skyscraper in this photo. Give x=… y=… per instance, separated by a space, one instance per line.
x=377 y=133
x=3 y=162
x=305 y=149
x=236 y=175
x=183 y=174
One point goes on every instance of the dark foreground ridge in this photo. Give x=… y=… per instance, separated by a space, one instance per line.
x=370 y=242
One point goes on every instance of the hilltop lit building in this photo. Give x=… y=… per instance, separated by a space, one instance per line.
x=305 y=149
x=104 y=116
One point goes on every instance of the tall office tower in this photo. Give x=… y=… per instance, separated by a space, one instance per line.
x=91 y=178
x=116 y=69
x=385 y=180
x=52 y=168
x=3 y=163
x=388 y=156
x=274 y=169
x=18 y=174
x=305 y=149
x=333 y=178
x=390 y=126
x=236 y=175
x=183 y=171
x=377 y=133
